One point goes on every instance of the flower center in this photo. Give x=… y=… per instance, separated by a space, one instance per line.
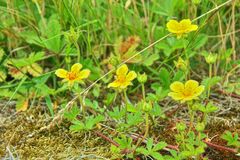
x=121 y=79
x=72 y=76
x=187 y=93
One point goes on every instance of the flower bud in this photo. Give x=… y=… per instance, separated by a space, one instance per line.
x=211 y=58
x=200 y=127
x=181 y=64
x=196 y=1
x=147 y=106
x=114 y=61
x=71 y=36
x=142 y=78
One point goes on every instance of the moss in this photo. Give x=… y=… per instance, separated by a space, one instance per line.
x=20 y=133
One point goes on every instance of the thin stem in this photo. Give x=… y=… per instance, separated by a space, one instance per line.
x=191 y=113
x=205 y=118
x=210 y=76
x=147 y=125
x=78 y=51
x=82 y=105
x=143 y=92
x=126 y=102
x=146 y=130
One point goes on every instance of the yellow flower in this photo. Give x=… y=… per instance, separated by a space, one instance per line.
x=123 y=78
x=186 y=92
x=182 y=27
x=75 y=75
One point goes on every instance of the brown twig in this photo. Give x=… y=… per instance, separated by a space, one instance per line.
x=218 y=147
x=228 y=94
x=107 y=138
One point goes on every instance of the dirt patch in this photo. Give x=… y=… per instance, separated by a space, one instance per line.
x=19 y=138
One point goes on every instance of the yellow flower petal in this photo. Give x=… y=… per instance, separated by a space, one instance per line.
x=131 y=76
x=185 y=23
x=83 y=74
x=172 y=26
x=199 y=90
x=193 y=28
x=62 y=73
x=122 y=70
x=191 y=85
x=76 y=68
x=114 y=84
x=125 y=84
x=177 y=86
x=176 y=96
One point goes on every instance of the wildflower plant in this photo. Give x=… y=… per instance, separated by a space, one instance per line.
x=123 y=79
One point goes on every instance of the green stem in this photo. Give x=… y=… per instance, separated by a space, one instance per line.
x=191 y=113
x=147 y=126
x=143 y=93
x=210 y=76
x=205 y=119
x=126 y=102
x=78 y=51
x=146 y=130
x=82 y=105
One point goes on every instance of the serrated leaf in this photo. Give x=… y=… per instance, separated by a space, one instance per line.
x=150 y=59
x=35 y=70
x=159 y=146
x=164 y=77
x=52 y=32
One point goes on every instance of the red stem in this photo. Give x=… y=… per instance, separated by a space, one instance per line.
x=220 y=147
x=126 y=151
x=107 y=138
x=229 y=94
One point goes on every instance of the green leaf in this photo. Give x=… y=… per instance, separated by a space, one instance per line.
x=210 y=82
x=72 y=114
x=77 y=126
x=49 y=104
x=149 y=144
x=51 y=30
x=91 y=121
x=149 y=60
x=131 y=108
x=142 y=151
x=32 y=38
x=159 y=146
x=231 y=138
x=116 y=113
x=157 y=156
x=200 y=41
x=164 y=77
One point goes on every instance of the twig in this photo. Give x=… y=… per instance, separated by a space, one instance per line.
x=107 y=138
x=228 y=94
x=218 y=147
